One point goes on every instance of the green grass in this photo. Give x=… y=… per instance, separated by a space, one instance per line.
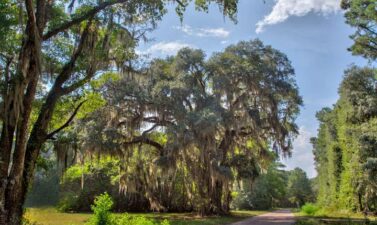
x=50 y=216
x=333 y=221
x=334 y=218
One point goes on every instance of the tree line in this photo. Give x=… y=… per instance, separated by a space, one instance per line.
x=345 y=148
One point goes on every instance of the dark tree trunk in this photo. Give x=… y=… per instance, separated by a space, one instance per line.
x=18 y=108
x=16 y=175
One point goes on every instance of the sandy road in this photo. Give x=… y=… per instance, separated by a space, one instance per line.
x=279 y=217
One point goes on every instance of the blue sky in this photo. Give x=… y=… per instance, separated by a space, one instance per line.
x=311 y=32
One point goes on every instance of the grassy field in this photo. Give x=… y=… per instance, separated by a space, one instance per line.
x=50 y=216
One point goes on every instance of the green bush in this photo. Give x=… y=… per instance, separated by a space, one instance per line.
x=67 y=203
x=101 y=208
x=309 y=209
x=125 y=219
x=102 y=215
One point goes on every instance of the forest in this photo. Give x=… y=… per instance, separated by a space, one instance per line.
x=94 y=128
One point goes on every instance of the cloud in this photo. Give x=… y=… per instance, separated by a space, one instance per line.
x=302 y=155
x=283 y=9
x=169 y=48
x=204 y=32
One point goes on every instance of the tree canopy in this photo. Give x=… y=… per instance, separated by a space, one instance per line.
x=212 y=121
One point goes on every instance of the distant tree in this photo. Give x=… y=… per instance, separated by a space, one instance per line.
x=299 y=188
x=265 y=192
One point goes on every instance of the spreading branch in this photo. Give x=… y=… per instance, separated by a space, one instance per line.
x=145 y=140
x=90 y=14
x=66 y=124
x=69 y=67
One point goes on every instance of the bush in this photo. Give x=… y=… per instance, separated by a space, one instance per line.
x=125 y=219
x=101 y=208
x=102 y=215
x=309 y=209
x=67 y=203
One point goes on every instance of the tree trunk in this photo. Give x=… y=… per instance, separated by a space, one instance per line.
x=13 y=190
x=17 y=103
x=18 y=188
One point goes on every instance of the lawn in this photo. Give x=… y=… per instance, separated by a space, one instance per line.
x=50 y=216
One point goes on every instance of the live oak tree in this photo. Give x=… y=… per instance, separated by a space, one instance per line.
x=299 y=189
x=222 y=117
x=58 y=46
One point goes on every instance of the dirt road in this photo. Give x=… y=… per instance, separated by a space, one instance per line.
x=279 y=217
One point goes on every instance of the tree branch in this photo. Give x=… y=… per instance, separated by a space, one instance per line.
x=145 y=140
x=69 y=66
x=79 y=19
x=66 y=124
x=89 y=75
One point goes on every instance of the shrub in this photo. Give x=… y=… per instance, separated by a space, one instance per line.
x=125 y=219
x=102 y=215
x=67 y=203
x=101 y=208
x=309 y=209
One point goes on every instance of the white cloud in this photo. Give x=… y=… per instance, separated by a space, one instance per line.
x=283 y=9
x=204 y=32
x=167 y=47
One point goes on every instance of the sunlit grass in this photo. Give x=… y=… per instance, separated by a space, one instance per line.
x=324 y=217
x=50 y=216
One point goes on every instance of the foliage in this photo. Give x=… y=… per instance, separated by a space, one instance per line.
x=274 y=188
x=101 y=209
x=345 y=150
x=81 y=183
x=102 y=215
x=138 y=220
x=299 y=188
x=361 y=14
x=215 y=129
x=309 y=209
x=267 y=191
